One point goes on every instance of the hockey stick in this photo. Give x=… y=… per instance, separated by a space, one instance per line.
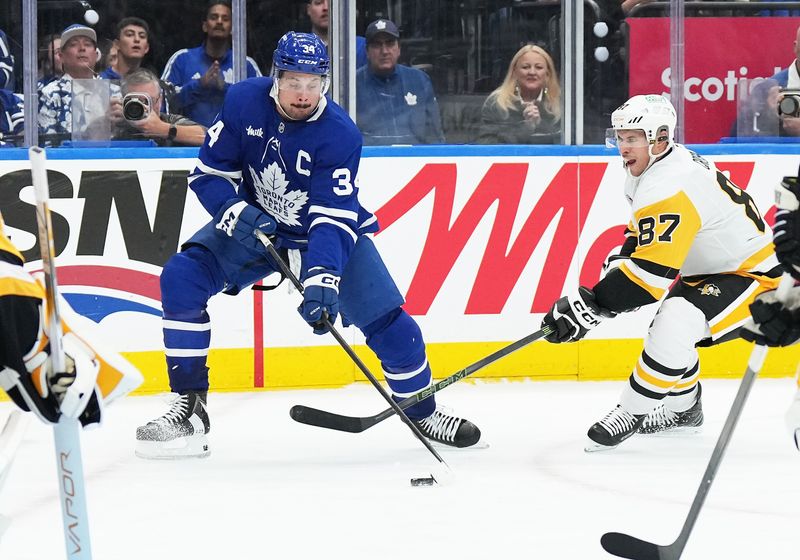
x=357 y=424
x=626 y=546
x=353 y=356
x=66 y=432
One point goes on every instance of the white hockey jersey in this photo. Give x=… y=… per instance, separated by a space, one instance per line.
x=690 y=219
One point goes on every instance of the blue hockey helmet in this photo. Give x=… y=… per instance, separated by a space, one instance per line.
x=301 y=52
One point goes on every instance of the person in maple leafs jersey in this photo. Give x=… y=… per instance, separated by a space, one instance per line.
x=282 y=158
x=697 y=243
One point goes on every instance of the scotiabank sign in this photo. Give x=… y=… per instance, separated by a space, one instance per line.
x=719 y=52
x=481 y=246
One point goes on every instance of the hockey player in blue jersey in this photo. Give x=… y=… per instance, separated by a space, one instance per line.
x=294 y=156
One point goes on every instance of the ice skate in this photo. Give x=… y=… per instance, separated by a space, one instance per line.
x=664 y=421
x=445 y=428
x=615 y=427
x=180 y=433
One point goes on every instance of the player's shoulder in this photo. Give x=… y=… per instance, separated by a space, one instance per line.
x=671 y=181
x=336 y=119
x=251 y=88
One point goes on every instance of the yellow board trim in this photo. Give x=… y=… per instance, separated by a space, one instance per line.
x=328 y=366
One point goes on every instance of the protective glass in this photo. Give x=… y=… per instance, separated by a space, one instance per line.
x=312 y=85
x=625 y=139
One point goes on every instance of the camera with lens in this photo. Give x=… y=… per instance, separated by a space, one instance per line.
x=789 y=104
x=136 y=106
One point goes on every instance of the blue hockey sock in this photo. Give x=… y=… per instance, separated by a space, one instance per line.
x=397 y=341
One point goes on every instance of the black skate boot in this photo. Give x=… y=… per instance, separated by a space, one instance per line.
x=615 y=427
x=181 y=432
x=442 y=427
x=666 y=421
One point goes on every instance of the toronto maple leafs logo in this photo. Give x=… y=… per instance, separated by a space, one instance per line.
x=271 y=190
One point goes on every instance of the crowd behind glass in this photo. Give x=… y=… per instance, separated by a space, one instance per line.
x=154 y=72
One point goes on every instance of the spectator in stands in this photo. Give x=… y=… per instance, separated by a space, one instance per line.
x=49 y=60
x=144 y=88
x=132 y=44
x=526 y=107
x=396 y=104
x=201 y=75
x=12 y=117
x=319 y=14
x=78 y=57
x=6 y=64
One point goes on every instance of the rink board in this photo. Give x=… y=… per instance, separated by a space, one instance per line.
x=481 y=240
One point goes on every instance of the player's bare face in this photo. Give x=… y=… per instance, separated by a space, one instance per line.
x=299 y=94
x=634 y=149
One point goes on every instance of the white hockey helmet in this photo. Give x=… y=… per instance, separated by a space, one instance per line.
x=653 y=114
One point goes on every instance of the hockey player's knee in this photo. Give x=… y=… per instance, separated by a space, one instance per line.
x=678 y=324
x=396 y=339
x=189 y=279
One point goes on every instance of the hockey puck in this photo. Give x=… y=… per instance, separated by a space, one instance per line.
x=424 y=481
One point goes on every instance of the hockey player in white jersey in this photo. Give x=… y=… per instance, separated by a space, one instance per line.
x=689 y=223
x=26 y=372
x=282 y=158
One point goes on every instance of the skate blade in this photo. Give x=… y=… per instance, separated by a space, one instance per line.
x=190 y=447
x=477 y=446
x=593 y=447
x=674 y=432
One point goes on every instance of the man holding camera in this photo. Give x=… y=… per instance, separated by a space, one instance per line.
x=137 y=115
x=789 y=105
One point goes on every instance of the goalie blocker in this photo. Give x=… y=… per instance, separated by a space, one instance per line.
x=93 y=377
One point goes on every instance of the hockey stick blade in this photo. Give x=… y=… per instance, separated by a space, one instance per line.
x=626 y=546
x=357 y=424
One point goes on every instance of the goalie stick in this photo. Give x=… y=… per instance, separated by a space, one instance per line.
x=66 y=433
x=441 y=477
x=357 y=424
x=627 y=546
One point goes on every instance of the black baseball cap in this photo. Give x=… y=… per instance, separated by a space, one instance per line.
x=381 y=26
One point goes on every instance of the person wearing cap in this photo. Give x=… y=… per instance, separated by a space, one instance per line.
x=201 y=76
x=78 y=58
x=318 y=11
x=395 y=104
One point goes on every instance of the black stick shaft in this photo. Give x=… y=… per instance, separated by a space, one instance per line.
x=350 y=352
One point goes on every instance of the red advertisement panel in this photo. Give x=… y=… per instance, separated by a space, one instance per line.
x=718 y=53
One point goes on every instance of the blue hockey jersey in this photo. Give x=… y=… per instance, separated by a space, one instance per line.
x=302 y=173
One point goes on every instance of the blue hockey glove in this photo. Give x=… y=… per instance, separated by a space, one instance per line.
x=239 y=220
x=573 y=316
x=786 y=232
x=320 y=298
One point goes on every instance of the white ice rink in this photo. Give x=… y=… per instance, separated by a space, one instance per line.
x=274 y=489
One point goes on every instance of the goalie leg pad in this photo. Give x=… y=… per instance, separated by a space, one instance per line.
x=367 y=291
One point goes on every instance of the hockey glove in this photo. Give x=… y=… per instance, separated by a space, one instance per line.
x=786 y=232
x=320 y=299
x=573 y=316
x=774 y=323
x=239 y=220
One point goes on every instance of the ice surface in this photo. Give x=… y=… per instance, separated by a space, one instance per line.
x=275 y=489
